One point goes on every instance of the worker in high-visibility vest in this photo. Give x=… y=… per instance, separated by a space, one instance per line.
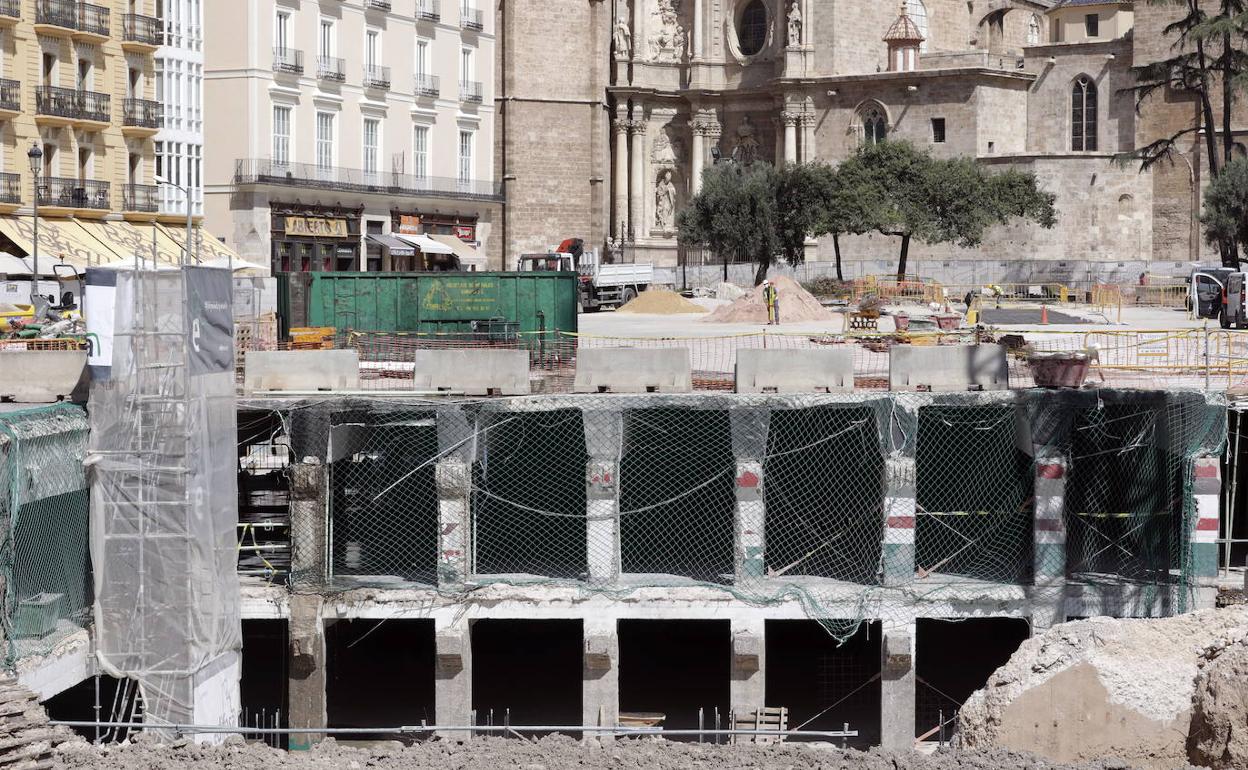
x=772 y=298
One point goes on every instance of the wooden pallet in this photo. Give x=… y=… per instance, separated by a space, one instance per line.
x=776 y=718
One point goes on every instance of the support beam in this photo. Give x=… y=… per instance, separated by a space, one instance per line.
x=620 y=218
x=750 y=429
x=790 y=137
x=1203 y=529
x=699 y=158
x=604 y=435
x=897 y=688
x=308 y=522
x=900 y=515
x=600 y=697
x=749 y=650
x=453 y=675
x=637 y=182
x=454 y=482
x=306 y=670
x=1049 y=541
x=695 y=37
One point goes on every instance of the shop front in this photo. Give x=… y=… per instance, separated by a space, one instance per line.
x=315 y=238
x=442 y=242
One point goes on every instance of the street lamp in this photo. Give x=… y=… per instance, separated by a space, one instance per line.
x=189 y=210
x=36 y=165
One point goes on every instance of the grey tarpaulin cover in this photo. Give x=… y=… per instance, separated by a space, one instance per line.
x=164 y=509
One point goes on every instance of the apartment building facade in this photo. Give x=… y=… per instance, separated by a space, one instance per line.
x=77 y=121
x=353 y=135
x=179 y=146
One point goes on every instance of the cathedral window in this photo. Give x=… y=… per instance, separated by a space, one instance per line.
x=752 y=28
x=874 y=124
x=918 y=14
x=1083 y=115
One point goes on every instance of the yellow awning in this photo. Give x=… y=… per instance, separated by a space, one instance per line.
x=130 y=240
x=208 y=248
x=467 y=253
x=61 y=240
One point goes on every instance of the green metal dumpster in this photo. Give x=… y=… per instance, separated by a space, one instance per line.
x=467 y=304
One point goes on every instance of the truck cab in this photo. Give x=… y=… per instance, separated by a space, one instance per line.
x=602 y=283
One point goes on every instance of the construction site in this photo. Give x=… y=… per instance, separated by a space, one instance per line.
x=873 y=526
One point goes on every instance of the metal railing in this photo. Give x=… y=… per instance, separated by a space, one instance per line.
x=63 y=192
x=11 y=9
x=141 y=197
x=428 y=85
x=376 y=76
x=288 y=60
x=331 y=68
x=57 y=13
x=429 y=10
x=470 y=91
x=10 y=95
x=471 y=18
x=73 y=103
x=144 y=113
x=136 y=28
x=93 y=19
x=10 y=188
x=264 y=171
x=378 y=5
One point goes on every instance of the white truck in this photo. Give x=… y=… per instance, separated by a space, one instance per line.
x=609 y=284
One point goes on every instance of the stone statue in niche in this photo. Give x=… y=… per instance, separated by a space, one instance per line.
x=665 y=203
x=667 y=37
x=795 y=24
x=666 y=151
x=746 y=151
x=623 y=39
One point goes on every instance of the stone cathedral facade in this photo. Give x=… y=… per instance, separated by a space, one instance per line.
x=611 y=109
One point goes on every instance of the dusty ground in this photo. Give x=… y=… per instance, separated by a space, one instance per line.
x=552 y=754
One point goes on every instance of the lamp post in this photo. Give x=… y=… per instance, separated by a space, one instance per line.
x=189 y=211
x=36 y=165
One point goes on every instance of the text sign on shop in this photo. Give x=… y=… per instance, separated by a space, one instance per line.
x=452 y=299
x=316 y=227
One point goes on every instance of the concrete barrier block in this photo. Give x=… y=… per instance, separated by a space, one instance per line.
x=472 y=372
x=787 y=371
x=278 y=370
x=41 y=376
x=948 y=368
x=633 y=370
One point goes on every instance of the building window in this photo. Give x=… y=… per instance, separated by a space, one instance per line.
x=465 y=156
x=752 y=29
x=281 y=31
x=422 y=59
x=1092 y=25
x=465 y=65
x=1083 y=115
x=874 y=124
x=1034 y=34
x=281 y=135
x=372 y=131
x=420 y=152
x=918 y=14
x=325 y=46
x=372 y=49
x=324 y=140
x=938 y=130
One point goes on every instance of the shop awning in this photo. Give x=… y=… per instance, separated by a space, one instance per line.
x=208 y=248
x=60 y=240
x=134 y=240
x=426 y=244
x=397 y=247
x=467 y=253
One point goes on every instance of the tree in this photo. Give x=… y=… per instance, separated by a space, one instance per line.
x=1226 y=205
x=852 y=197
x=1209 y=61
x=736 y=214
x=801 y=191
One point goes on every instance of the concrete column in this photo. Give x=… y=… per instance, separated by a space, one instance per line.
x=695 y=36
x=309 y=516
x=790 y=138
x=750 y=428
x=699 y=158
x=305 y=686
x=1049 y=541
x=454 y=481
x=619 y=224
x=453 y=676
x=637 y=182
x=900 y=514
x=808 y=138
x=604 y=432
x=600 y=695
x=897 y=688
x=749 y=674
x=1203 y=532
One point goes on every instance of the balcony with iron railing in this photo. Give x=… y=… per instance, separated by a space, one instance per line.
x=331 y=68
x=11 y=189
x=307 y=175
x=65 y=193
x=470 y=91
x=427 y=85
x=93 y=21
x=140 y=32
x=10 y=11
x=60 y=14
x=72 y=105
x=142 y=116
x=376 y=77
x=10 y=97
x=378 y=5
x=428 y=10
x=141 y=198
x=288 y=60
x=471 y=18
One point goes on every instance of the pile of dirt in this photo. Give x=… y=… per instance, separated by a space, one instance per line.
x=1158 y=693
x=552 y=753
x=796 y=305
x=660 y=302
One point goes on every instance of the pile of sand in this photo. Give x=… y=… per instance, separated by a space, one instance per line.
x=796 y=305
x=660 y=302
